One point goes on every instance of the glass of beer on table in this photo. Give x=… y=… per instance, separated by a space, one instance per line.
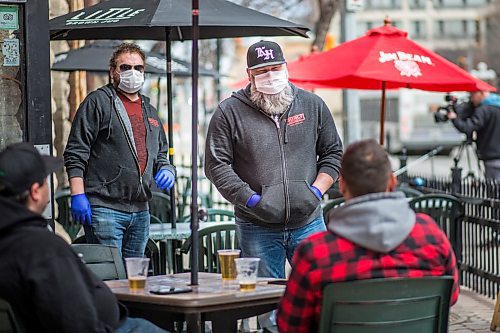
x=246 y=269
x=227 y=265
x=137 y=272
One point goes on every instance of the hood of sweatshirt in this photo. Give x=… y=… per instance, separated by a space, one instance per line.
x=377 y=221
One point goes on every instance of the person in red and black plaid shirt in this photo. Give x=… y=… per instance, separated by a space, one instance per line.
x=374 y=235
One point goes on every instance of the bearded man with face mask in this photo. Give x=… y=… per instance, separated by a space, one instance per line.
x=273 y=150
x=116 y=148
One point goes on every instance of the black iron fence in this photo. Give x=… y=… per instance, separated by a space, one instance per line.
x=478 y=245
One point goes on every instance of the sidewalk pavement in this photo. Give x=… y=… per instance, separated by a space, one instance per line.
x=471 y=313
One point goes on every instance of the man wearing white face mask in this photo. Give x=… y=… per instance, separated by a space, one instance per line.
x=115 y=149
x=272 y=150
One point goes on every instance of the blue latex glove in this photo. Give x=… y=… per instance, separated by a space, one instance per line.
x=164 y=179
x=253 y=200
x=317 y=192
x=80 y=209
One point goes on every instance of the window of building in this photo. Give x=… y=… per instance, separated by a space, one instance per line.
x=439 y=28
x=385 y=4
x=416 y=4
x=476 y=3
x=12 y=77
x=417 y=29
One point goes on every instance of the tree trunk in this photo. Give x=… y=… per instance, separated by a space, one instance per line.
x=327 y=9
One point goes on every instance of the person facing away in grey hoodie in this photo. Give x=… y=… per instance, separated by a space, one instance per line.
x=375 y=234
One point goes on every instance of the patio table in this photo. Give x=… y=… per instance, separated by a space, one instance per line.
x=213 y=300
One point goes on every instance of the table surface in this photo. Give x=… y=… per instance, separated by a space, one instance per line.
x=211 y=291
x=182 y=231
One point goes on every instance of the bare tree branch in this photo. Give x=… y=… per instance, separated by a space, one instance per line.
x=327 y=9
x=302 y=11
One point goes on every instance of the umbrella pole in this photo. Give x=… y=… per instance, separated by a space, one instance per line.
x=382 y=115
x=194 y=147
x=169 y=120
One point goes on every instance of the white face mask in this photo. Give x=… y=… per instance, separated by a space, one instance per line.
x=271 y=82
x=131 y=81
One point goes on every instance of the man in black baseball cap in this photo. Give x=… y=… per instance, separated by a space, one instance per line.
x=272 y=150
x=47 y=285
x=264 y=53
x=23 y=173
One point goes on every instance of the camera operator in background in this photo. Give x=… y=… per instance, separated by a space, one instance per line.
x=483 y=119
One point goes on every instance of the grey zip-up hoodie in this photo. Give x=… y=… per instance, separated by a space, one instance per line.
x=101 y=149
x=378 y=221
x=248 y=152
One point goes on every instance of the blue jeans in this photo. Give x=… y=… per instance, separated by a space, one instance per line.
x=128 y=232
x=273 y=247
x=138 y=325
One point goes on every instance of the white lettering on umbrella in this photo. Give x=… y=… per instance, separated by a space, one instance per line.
x=408 y=68
x=405 y=63
x=111 y=15
x=400 y=55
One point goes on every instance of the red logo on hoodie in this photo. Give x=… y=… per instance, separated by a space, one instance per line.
x=153 y=122
x=296 y=120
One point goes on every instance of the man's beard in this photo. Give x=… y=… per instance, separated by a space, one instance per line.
x=272 y=104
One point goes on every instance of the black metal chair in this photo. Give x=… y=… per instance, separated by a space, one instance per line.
x=331 y=205
x=9 y=323
x=212 y=215
x=63 y=201
x=211 y=239
x=445 y=209
x=159 y=206
x=152 y=252
x=387 y=305
x=104 y=261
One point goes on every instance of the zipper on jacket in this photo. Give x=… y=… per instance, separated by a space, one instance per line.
x=283 y=165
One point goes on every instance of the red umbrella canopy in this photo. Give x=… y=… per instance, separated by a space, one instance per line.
x=383 y=54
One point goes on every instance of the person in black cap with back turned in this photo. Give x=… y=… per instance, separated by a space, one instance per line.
x=45 y=282
x=272 y=150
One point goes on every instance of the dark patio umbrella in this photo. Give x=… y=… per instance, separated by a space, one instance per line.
x=95 y=58
x=172 y=20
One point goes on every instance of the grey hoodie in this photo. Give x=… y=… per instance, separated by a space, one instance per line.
x=248 y=152
x=378 y=221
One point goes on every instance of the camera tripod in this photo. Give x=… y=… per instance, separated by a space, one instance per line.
x=467 y=146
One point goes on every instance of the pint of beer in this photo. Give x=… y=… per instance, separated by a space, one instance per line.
x=247 y=269
x=136 y=282
x=227 y=265
x=137 y=272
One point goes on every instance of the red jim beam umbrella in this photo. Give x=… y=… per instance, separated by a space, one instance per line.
x=384 y=58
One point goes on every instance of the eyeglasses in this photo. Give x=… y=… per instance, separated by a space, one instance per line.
x=126 y=67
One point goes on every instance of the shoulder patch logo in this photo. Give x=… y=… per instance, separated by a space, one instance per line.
x=153 y=122
x=296 y=120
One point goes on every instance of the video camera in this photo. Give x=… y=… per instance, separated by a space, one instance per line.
x=441 y=114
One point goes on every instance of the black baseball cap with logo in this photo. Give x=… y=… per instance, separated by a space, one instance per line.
x=21 y=165
x=264 y=53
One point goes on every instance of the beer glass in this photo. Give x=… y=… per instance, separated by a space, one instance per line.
x=247 y=269
x=137 y=272
x=226 y=262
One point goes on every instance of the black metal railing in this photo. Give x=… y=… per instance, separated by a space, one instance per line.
x=478 y=247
